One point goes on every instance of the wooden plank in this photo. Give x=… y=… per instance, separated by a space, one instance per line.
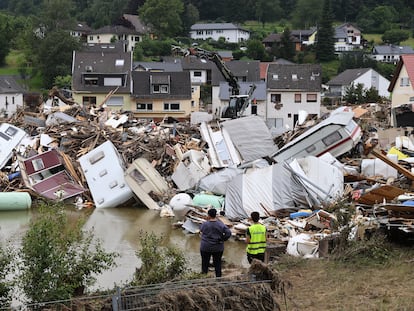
x=398 y=167
x=378 y=195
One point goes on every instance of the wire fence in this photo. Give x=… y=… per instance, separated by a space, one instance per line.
x=136 y=298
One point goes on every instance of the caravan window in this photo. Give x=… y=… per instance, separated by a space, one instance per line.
x=332 y=138
x=11 y=131
x=38 y=164
x=310 y=149
x=95 y=158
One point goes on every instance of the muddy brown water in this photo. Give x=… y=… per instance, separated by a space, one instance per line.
x=119 y=230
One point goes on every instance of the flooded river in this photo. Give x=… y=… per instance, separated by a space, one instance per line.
x=118 y=229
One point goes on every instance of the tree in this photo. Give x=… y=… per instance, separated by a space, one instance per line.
x=378 y=19
x=325 y=45
x=255 y=50
x=53 y=55
x=287 y=46
x=307 y=13
x=58 y=258
x=268 y=11
x=395 y=36
x=164 y=16
x=191 y=16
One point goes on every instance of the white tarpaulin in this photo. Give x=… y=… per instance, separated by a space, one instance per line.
x=306 y=182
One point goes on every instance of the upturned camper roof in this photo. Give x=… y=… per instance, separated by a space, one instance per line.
x=337 y=117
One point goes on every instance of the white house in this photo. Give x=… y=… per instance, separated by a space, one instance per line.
x=366 y=76
x=11 y=96
x=108 y=34
x=347 y=37
x=230 y=32
x=291 y=89
x=390 y=53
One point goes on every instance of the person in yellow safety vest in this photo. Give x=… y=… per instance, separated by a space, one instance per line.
x=256 y=236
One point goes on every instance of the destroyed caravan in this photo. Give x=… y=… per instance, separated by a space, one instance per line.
x=337 y=134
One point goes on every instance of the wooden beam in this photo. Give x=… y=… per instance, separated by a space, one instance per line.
x=398 y=167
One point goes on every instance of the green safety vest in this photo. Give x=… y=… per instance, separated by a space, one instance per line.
x=257 y=243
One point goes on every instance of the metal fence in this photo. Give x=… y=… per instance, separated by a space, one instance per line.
x=138 y=298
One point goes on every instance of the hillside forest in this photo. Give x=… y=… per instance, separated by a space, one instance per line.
x=39 y=29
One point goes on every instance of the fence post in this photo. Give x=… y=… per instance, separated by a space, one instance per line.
x=116 y=300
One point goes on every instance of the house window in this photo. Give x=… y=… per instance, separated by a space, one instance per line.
x=311 y=98
x=137 y=39
x=405 y=81
x=192 y=103
x=91 y=38
x=89 y=100
x=219 y=31
x=91 y=80
x=199 y=32
x=144 y=106
x=332 y=138
x=298 y=98
x=197 y=73
x=209 y=32
x=115 y=101
x=171 y=106
x=160 y=88
x=112 y=81
x=275 y=98
x=289 y=115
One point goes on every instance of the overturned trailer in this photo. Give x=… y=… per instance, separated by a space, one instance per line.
x=337 y=134
x=48 y=174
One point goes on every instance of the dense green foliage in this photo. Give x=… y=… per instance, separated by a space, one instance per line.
x=40 y=28
x=325 y=48
x=59 y=259
x=356 y=94
x=6 y=284
x=159 y=264
x=164 y=25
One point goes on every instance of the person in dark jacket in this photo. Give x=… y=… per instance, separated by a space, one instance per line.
x=213 y=234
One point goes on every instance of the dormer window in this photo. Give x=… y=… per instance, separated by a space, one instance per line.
x=294 y=76
x=160 y=84
x=159 y=88
x=275 y=77
x=119 y=62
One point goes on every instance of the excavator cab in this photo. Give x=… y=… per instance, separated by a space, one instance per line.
x=236 y=107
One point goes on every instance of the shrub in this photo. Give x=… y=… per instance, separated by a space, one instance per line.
x=58 y=258
x=159 y=264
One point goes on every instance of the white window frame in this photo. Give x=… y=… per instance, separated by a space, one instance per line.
x=169 y=106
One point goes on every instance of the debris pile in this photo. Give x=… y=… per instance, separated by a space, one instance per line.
x=295 y=180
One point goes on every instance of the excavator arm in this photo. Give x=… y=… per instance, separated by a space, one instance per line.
x=238 y=103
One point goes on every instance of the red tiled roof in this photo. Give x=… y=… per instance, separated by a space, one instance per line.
x=406 y=60
x=263 y=70
x=409 y=65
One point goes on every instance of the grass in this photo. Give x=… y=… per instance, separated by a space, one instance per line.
x=376 y=38
x=359 y=284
